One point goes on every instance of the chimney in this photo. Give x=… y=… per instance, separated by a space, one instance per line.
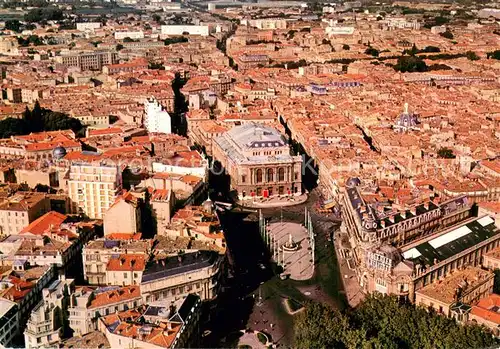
x=391 y=218
x=426 y=205
x=122 y=261
x=403 y=214
x=382 y=223
x=413 y=210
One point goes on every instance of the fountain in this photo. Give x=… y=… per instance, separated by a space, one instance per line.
x=290 y=245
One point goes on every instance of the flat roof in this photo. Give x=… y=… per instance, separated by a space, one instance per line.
x=452 y=242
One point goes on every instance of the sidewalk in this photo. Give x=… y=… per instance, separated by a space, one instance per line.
x=276 y=201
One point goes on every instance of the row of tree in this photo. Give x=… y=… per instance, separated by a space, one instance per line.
x=383 y=322
x=36 y=120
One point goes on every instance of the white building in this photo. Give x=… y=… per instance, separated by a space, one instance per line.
x=339 y=30
x=156 y=120
x=129 y=34
x=181 y=29
x=92 y=188
x=46 y=323
x=9 y=313
x=88 y=26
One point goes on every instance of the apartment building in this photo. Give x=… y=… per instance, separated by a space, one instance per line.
x=47 y=321
x=124 y=216
x=87 y=305
x=175 y=277
x=156 y=120
x=98 y=253
x=19 y=210
x=9 y=325
x=164 y=325
x=125 y=269
x=92 y=188
x=90 y=60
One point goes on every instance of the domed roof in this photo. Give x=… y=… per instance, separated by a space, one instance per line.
x=59 y=152
x=407 y=120
x=353 y=182
x=208 y=205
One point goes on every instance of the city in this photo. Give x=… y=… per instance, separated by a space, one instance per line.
x=249 y=174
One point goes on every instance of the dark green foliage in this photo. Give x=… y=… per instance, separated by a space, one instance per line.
x=446 y=153
x=494 y=54
x=175 y=40
x=32 y=39
x=13 y=25
x=119 y=47
x=471 y=55
x=383 y=322
x=127 y=39
x=447 y=34
x=43 y=14
x=372 y=51
x=431 y=49
x=346 y=47
x=37 y=120
x=154 y=65
x=410 y=64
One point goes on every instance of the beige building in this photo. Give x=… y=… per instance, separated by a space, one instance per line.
x=92 y=188
x=258 y=160
x=462 y=287
x=88 y=304
x=46 y=323
x=124 y=216
x=98 y=253
x=125 y=269
x=485 y=312
x=177 y=276
x=19 y=210
x=91 y=60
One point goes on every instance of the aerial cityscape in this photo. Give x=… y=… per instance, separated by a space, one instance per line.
x=250 y=174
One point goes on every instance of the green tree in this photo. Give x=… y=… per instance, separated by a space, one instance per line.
x=346 y=47
x=410 y=64
x=494 y=54
x=127 y=39
x=372 y=51
x=119 y=47
x=13 y=25
x=471 y=55
x=446 y=153
x=447 y=34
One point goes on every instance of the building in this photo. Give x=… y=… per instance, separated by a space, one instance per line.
x=47 y=322
x=9 y=321
x=135 y=35
x=401 y=250
x=156 y=120
x=90 y=60
x=124 y=216
x=19 y=210
x=92 y=188
x=98 y=253
x=162 y=203
x=125 y=269
x=175 y=277
x=157 y=325
x=89 y=304
x=88 y=26
x=258 y=160
x=183 y=29
x=452 y=295
x=485 y=312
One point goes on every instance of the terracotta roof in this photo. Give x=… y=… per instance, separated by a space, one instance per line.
x=124 y=236
x=485 y=308
x=127 y=262
x=44 y=223
x=122 y=294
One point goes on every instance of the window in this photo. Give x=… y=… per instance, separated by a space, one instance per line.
x=270 y=175
x=124 y=275
x=243 y=179
x=258 y=176
x=281 y=174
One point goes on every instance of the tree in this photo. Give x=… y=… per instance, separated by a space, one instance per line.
x=446 y=153
x=119 y=47
x=431 y=49
x=384 y=322
x=127 y=39
x=346 y=47
x=13 y=25
x=494 y=55
x=410 y=64
x=471 y=55
x=372 y=51
x=447 y=34
x=156 y=18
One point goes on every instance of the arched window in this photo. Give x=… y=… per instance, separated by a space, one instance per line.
x=270 y=175
x=281 y=174
x=258 y=176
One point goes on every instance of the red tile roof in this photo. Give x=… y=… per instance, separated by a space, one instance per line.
x=43 y=224
x=122 y=294
x=127 y=262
